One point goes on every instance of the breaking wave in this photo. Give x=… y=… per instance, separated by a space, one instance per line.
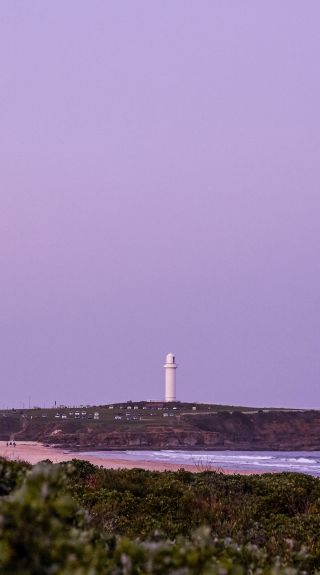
x=264 y=461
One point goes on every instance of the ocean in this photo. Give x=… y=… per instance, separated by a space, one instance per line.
x=258 y=461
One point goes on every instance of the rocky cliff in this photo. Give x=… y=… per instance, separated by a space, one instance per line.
x=263 y=430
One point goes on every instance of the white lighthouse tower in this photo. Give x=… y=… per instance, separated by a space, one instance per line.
x=170 y=377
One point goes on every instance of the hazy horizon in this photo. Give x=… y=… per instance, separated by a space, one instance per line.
x=159 y=191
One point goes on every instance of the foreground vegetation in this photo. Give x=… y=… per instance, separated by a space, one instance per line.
x=80 y=519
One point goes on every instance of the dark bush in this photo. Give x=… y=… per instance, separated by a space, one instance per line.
x=83 y=520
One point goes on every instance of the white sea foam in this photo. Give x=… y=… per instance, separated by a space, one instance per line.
x=303 y=461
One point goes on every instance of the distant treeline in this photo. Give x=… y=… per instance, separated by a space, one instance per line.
x=75 y=518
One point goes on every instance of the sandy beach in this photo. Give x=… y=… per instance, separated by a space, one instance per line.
x=35 y=452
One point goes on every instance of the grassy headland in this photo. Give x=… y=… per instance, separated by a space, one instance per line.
x=157 y=425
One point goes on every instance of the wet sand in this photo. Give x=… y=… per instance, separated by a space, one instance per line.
x=34 y=452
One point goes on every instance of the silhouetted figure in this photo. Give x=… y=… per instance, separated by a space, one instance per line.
x=14 y=444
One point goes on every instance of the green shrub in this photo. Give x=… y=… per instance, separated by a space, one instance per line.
x=11 y=474
x=43 y=531
x=78 y=519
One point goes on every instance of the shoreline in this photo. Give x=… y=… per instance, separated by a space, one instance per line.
x=34 y=452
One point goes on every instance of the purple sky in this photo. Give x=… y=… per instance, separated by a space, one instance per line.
x=159 y=191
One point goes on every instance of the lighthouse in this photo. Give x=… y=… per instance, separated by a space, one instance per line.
x=170 y=377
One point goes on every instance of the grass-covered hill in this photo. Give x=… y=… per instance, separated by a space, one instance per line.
x=84 y=520
x=157 y=425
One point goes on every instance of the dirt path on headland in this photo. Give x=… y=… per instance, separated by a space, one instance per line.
x=35 y=452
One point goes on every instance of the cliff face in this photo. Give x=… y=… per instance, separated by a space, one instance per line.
x=273 y=430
